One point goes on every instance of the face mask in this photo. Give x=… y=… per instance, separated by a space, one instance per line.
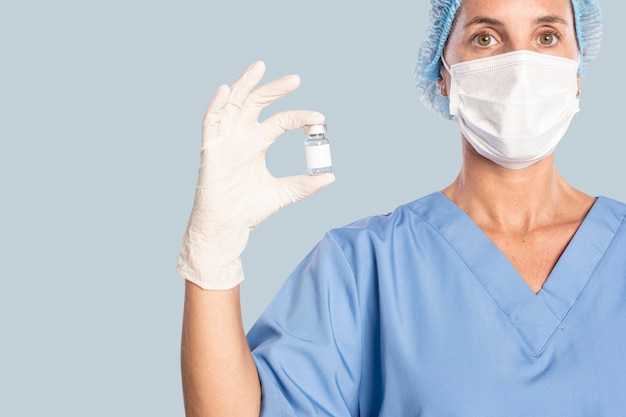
x=514 y=108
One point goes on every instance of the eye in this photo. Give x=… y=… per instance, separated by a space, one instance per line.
x=484 y=39
x=548 y=39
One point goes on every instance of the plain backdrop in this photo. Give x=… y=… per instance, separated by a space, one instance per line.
x=101 y=104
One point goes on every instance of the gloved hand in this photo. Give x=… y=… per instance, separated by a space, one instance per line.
x=235 y=192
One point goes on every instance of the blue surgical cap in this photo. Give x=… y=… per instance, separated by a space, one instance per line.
x=587 y=18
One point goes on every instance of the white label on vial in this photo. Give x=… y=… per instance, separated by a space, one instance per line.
x=318 y=156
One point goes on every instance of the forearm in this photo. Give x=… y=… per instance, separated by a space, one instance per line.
x=218 y=372
x=234 y=193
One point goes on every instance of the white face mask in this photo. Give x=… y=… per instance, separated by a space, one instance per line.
x=514 y=108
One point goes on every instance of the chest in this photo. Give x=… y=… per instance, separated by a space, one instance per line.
x=534 y=255
x=452 y=329
x=453 y=346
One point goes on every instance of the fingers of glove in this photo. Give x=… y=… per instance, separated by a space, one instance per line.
x=299 y=187
x=246 y=82
x=279 y=123
x=212 y=117
x=267 y=94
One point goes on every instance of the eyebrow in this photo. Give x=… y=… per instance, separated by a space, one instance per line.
x=484 y=20
x=550 y=19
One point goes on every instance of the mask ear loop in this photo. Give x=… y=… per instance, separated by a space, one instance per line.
x=442 y=86
x=445 y=64
x=579 y=76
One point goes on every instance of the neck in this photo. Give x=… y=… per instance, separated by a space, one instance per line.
x=510 y=200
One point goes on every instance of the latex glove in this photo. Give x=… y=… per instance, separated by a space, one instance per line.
x=235 y=191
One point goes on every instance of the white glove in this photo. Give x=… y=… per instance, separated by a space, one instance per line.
x=235 y=192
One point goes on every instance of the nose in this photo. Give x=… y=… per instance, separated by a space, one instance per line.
x=517 y=43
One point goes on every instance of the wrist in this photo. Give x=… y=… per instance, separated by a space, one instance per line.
x=211 y=276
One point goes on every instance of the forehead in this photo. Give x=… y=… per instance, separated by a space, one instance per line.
x=515 y=10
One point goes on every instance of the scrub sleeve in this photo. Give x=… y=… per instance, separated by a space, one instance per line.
x=314 y=322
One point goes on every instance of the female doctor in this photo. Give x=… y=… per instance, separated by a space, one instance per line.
x=504 y=294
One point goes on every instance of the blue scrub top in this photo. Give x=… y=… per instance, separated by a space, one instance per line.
x=418 y=313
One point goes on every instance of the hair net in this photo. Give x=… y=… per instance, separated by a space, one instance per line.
x=587 y=18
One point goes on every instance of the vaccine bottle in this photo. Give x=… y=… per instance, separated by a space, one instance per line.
x=317 y=150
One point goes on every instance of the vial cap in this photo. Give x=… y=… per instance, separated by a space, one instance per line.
x=315 y=129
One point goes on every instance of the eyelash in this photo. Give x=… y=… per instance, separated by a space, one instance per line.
x=478 y=35
x=553 y=33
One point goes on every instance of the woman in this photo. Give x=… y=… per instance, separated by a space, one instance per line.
x=503 y=294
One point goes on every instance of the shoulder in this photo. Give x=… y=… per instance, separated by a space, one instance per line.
x=408 y=211
x=607 y=213
x=610 y=205
x=403 y=223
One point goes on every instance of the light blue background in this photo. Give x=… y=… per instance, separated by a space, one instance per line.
x=101 y=104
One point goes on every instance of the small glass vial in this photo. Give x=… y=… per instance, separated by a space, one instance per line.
x=317 y=150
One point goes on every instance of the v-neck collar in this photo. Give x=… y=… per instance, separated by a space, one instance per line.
x=535 y=316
